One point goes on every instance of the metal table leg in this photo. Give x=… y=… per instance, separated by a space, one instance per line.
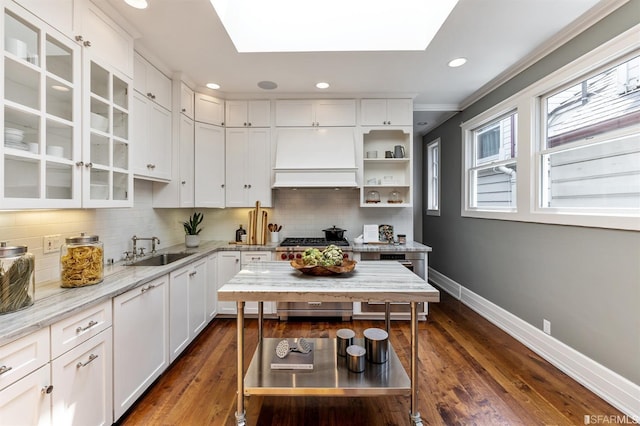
x=260 y=318
x=414 y=415
x=387 y=317
x=240 y=411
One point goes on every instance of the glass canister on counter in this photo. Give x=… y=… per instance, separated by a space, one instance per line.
x=81 y=261
x=17 y=278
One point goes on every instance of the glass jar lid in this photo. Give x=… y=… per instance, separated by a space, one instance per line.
x=82 y=239
x=11 y=251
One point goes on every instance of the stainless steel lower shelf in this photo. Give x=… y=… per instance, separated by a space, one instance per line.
x=329 y=377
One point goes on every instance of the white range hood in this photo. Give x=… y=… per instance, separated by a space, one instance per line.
x=315 y=158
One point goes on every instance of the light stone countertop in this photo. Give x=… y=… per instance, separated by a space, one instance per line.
x=54 y=303
x=410 y=246
x=371 y=281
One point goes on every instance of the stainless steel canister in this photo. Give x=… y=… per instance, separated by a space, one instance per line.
x=344 y=339
x=356 y=358
x=17 y=278
x=376 y=342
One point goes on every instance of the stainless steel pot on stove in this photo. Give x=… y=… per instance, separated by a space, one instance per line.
x=334 y=234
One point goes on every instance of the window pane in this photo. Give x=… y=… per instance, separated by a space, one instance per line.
x=602 y=175
x=494 y=187
x=496 y=141
x=605 y=102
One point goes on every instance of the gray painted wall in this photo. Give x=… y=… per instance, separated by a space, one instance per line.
x=586 y=281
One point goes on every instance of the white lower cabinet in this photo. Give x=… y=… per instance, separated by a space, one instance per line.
x=140 y=341
x=211 y=286
x=28 y=400
x=187 y=305
x=82 y=379
x=247 y=257
x=228 y=267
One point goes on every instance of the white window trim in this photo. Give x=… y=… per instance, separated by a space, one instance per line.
x=430 y=145
x=526 y=103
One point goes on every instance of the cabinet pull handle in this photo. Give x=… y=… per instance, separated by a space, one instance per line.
x=91 y=324
x=147 y=288
x=191 y=274
x=84 y=364
x=4 y=369
x=314 y=303
x=46 y=389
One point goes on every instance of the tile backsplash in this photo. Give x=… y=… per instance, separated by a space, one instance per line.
x=303 y=212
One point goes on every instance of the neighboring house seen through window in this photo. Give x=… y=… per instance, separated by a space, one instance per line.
x=591 y=153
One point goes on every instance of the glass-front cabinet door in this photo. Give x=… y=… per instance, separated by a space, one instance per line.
x=108 y=181
x=40 y=115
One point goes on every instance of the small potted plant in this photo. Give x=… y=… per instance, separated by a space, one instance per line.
x=192 y=230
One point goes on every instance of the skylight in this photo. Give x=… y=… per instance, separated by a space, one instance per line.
x=332 y=25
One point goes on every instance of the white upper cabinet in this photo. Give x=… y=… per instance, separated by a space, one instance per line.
x=41 y=115
x=315 y=113
x=248 y=113
x=248 y=167
x=102 y=37
x=209 y=166
x=187 y=99
x=58 y=13
x=209 y=110
x=151 y=139
x=152 y=83
x=386 y=112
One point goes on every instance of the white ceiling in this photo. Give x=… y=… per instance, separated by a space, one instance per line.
x=497 y=36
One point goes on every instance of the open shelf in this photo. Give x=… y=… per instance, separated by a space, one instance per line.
x=329 y=377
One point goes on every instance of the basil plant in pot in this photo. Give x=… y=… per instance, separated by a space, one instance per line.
x=192 y=230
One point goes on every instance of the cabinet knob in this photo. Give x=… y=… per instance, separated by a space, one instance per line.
x=193 y=274
x=78 y=38
x=184 y=182
x=249 y=124
x=47 y=389
x=87 y=43
x=245 y=124
x=88 y=165
x=249 y=186
x=222 y=185
x=184 y=110
x=80 y=163
x=149 y=95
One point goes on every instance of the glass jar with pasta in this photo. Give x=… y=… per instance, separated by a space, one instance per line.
x=17 y=280
x=81 y=261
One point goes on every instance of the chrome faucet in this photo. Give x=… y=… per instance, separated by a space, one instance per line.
x=135 y=239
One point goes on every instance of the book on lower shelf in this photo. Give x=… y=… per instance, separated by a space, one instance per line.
x=293 y=360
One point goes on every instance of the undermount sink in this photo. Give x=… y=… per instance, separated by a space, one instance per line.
x=161 y=259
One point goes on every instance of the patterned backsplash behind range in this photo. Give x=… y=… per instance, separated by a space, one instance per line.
x=302 y=213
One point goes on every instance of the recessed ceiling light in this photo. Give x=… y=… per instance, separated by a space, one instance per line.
x=138 y=4
x=322 y=85
x=214 y=86
x=267 y=85
x=457 y=62
x=356 y=25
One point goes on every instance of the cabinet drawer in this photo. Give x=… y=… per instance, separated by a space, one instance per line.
x=254 y=256
x=79 y=328
x=19 y=358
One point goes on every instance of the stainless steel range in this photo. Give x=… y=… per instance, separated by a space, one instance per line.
x=293 y=248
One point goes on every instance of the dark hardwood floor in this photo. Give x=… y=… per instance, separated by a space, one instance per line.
x=471 y=373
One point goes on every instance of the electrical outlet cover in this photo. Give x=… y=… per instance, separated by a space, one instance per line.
x=51 y=243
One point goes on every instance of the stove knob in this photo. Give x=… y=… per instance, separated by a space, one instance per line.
x=283 y=256
x=291 y=256
x=299 y=256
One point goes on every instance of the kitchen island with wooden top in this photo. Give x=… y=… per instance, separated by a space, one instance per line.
x=375 y=281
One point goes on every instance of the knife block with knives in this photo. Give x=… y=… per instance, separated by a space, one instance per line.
x=257 y=229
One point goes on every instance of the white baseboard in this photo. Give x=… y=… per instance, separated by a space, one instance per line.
x=609 y=385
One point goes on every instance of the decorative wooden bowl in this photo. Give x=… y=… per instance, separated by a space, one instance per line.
x=347 y=266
